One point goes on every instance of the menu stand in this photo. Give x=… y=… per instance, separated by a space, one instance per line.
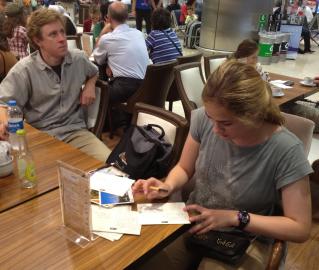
x=75 y=205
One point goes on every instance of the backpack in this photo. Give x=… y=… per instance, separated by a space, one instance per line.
x=142 y=152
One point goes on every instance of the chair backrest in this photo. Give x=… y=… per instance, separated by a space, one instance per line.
x=96 y=112
x=196 y=57
x=174 y=125
x=212 y=62
x=302 y=128
x=155 y=86
x=87 y=43
x=173 y=92
x=190 y=84
x=74 y=41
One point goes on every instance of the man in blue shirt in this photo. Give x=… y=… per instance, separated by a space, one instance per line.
x=142 y=9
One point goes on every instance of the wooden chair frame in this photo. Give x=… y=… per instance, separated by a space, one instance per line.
x=173 y=118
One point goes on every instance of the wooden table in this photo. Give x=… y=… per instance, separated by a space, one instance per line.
x=292 y=94
x=29 y=240
x=46 y=150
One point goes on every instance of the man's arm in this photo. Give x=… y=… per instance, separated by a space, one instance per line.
x=88 y=94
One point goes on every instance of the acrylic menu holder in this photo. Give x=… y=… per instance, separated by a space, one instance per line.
x=75 y=205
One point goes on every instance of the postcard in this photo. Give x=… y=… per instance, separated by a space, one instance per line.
x=162 y=213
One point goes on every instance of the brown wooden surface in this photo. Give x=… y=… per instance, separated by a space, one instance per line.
x=29 y=240
x=297 y=91
x=46 y=151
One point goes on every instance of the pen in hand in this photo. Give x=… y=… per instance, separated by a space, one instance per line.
x=158 y=189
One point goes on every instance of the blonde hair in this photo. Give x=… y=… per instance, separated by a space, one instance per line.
x=240 y=88
x=38 y=19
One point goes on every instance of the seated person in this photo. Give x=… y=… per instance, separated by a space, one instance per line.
x=14 y=28
x=47 y=85
x=191 y=16
x=70 y=26
x=100 y=25
x=124 y=49
x=173 y=5
x=184 y=6
x=162 y=43
x=240 y=157
x=88 y=24
x=247 y=52
x=7 y=58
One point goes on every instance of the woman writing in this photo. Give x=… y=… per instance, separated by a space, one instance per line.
x=241 y=158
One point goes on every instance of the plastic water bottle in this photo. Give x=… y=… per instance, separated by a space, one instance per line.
x=25 y=163
x=15 y=122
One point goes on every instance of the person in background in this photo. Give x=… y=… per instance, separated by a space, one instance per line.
x=304 y=10
x=124 y=49
x=174 y=5
x=243 y=162
x=184 y=6
x=88 y=24
x=142 y=10
x=247 y=52
x=100 y=25
x=191 y=16
x=14 y=28
x=53 y=85
x=7 y=58
x=3 y=4
x=162 y=43
x=70 y=26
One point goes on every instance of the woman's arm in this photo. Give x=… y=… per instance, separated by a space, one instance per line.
x=294 y=225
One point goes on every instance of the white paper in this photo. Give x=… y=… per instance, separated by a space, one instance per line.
x=110 y=236
x=280 y=84
x=162 y=213
x=118 y=219
x=109 y=183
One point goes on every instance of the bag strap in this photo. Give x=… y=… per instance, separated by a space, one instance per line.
x=149 y=127
x=179 y=51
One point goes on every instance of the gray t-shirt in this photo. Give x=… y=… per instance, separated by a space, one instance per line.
x=250 y=178
x=50 y=103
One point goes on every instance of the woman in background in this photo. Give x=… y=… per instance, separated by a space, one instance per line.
x=7 y=59
x=162 y=43
x=14 y=28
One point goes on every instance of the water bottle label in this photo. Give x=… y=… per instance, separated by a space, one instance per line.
x=14 y=126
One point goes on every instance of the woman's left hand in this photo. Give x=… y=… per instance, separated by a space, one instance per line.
x=210 y=219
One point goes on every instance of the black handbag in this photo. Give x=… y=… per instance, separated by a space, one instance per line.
x=228 y=247
x=142 y=153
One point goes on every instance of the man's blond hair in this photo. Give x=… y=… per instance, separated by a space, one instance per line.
x=38 y=19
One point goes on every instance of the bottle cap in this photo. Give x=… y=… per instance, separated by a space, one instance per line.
x=20 y=132
x=12 y=102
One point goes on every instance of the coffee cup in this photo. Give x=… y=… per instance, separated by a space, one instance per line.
x=276 y=91
x=308 y=80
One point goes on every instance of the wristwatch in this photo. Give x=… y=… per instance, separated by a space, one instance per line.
x=243 y=218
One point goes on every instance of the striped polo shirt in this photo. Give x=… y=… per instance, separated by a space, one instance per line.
x=161 y=48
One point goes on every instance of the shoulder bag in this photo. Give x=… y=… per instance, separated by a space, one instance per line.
x=179 y=51
x=142 y=152
x=226 y=246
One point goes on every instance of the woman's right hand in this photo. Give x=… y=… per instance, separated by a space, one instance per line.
x=152 y=188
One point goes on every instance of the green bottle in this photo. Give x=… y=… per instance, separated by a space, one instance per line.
x=25 y=163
